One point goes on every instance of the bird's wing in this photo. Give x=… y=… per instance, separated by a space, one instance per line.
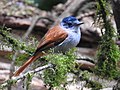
x=53 y=37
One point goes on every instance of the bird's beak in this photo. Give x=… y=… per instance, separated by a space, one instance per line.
x=79 y=23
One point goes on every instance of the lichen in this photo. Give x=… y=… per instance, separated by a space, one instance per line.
x=108 y=53
x=63 y=65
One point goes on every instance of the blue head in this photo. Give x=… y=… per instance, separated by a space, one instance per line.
x=70 y=22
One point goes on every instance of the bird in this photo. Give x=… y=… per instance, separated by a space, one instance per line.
x=61 y=37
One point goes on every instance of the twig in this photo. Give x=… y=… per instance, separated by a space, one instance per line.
x=35 y=20
x=23 y=23
x=33 y=71
x=12 y=68
x=86 y=14
x=68 y=3
x=87 y=59
x=70 y=10
x=9 y=4
x=86 y=65
x=29 y=72
x=117 y=86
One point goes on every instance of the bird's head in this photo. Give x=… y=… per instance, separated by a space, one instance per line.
x=70 y=22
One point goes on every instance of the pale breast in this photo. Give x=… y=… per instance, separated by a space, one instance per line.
x=71 y=41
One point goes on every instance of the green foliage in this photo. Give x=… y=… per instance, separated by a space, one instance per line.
x=14 y=43
x=29 y=1
x=7 y=40
x=7 y=84
x=108 y=53
x=63 y=65
x=45 y=5
x=28 y=80
x=94 y=85
x=108 y=56
x=85 y=76
x=20 y=59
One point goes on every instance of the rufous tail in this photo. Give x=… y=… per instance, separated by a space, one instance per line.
x=28 y=62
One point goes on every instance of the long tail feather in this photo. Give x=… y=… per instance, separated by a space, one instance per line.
x=24 y=66
x=28 y=62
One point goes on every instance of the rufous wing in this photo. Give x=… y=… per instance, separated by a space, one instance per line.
x=53 y=37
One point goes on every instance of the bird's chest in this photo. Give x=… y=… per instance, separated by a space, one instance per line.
x=71 y=41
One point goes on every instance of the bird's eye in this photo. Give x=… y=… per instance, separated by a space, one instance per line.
x=64 y=24
x=69 y=24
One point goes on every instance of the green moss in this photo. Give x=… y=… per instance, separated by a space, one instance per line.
x=94 y=85
x=7 y=84
x=10 y=41
x=63 y=65
x=108 y=53
x=108 y=57
x=85 y=76
x=28 y=80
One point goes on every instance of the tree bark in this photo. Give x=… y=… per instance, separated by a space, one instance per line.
x=116 y=12
x=117 y=86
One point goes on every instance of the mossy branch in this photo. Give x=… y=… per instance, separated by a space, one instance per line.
x=108 y=54
x=27 y=74
x=10 y=41
x=64 y=64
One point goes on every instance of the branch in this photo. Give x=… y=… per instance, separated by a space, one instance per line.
x=29 y=72
x=116 y=13
x=117 y=86
x=33 y=71
x=9 y=4
x=70 y=10
x=85 y=65
x=23 y=23
x=90 y=13
x=35 y=20
x=81 y=63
